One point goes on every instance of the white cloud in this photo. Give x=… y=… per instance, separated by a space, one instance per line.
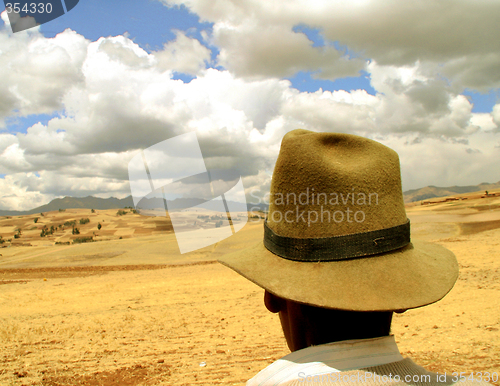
x=37 y=72
x=183 y=54
x=255 y=49
x=459 y=38
x=496 y=115
x=16 y=195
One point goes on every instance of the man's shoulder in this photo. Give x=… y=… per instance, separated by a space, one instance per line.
x=403 y=372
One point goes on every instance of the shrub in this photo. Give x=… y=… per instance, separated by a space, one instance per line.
x=121 y=212
x=87 y=239
x=46 y=231
x=92 y=210
x=84 y=221
x=62 y=243
x=76 y=231
x=35 y=220
x=70 y=223
x=99 y=226
x=62 y=210
x=2 y=240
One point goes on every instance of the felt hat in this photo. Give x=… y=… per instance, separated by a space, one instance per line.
x=337 y=235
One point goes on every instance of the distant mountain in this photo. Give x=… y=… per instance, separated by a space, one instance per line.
x=91 y=202
x=434 y=191
x=67 y=202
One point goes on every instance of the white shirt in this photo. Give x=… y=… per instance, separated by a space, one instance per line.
x=328 y=358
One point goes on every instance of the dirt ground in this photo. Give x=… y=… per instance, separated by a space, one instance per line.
x=121 y=313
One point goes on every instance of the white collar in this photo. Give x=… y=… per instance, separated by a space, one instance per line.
x=331 y=357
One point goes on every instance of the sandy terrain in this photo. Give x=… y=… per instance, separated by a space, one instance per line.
x=134 y=311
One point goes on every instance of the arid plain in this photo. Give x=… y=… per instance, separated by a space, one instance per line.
x=129 y=309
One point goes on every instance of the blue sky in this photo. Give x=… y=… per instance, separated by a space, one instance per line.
x=244 y=73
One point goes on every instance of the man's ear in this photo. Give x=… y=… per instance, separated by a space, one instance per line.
x=273 y=303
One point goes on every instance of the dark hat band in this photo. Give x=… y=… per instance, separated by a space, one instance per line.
x=336 y=248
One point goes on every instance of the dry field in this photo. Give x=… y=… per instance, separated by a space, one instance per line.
x=134 y=311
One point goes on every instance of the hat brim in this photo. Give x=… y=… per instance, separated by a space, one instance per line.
x=414 y=276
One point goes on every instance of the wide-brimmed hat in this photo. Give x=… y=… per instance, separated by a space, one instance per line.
x=337 y=235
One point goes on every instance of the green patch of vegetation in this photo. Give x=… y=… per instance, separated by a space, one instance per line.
x=63 y=243
x=2 y=240
x=99 y=226
x=62 y=210
x=46 y=231
x=121 y=212
x=70 y=223
x=218 y=224
x=84 y=221
x=76 y=231
x=92 y=210
x=86 y=239
x=35 y=220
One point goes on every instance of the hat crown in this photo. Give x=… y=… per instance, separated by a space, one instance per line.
x=331 y=184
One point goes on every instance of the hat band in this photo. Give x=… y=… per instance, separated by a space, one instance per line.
x=336 y=248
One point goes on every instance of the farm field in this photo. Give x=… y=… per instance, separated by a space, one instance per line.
x=134 y=311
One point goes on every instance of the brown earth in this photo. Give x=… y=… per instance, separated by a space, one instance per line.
x=135 y=311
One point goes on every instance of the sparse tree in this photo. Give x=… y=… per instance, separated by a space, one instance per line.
x=35 y=220
x=99 y=226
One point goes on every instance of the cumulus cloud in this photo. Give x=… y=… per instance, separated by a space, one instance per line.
x=496 y=115
x=16 y=194
x=459 y=38
x=259 y=50
x=37 y=72
x=183 y=54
